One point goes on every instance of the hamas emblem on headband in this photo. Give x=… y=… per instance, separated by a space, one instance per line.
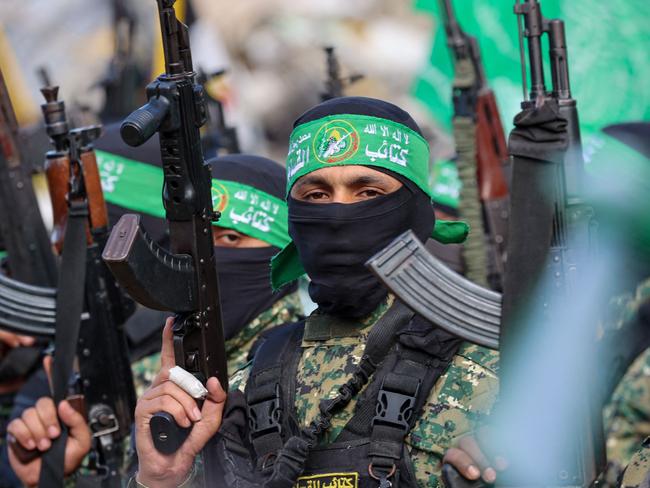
x=220 y=196
x=336 y=141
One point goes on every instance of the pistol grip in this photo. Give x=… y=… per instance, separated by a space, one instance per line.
x=453 y=479
x=166 y=434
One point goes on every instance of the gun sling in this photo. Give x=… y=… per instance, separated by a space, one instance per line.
x=70 y=302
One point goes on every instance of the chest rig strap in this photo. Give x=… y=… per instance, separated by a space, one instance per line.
x=394 y=401
x=270 y=388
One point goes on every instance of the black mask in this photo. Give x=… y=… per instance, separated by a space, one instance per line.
x=245 y=285
x=335 y=240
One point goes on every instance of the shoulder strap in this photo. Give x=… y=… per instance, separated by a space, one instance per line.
x=270 y=390
x=70 y=304
x=399 y=391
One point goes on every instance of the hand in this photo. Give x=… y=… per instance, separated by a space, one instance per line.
x=162 y=470
x=9 y=340
x=36 y=429
x=471 y=461
x=14 y=340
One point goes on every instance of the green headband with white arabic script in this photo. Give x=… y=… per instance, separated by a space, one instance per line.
x=338 y=140
x=351 y=139
x=137 y=186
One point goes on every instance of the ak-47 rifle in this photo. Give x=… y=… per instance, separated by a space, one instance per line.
x=552 y=234
x=124 y=78
x=25 y=238
x=334 y=84
x=219 y=137
x=30 y=257
x=89 y=309
x=482 y=156
x=183 y=280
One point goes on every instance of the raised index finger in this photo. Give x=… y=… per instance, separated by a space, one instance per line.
x=167 y=359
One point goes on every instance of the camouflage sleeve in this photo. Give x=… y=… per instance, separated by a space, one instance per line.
x=239 y=378
x=638 y=471
x=144 y=371
x=627 y=416
x=459 y=403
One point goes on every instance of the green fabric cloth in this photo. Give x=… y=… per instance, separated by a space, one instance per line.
x=137 y=186
x=445 y=183
x=619 y=185
x=607 y=42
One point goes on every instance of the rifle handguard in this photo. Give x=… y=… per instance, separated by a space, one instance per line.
x=166 y=434
x=140 y=125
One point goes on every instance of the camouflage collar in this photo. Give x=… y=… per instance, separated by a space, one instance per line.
x=290 y=302
x=322 y=327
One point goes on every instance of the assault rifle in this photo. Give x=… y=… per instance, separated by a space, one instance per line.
x=334 y=84
x=219 y=137
x=88 y=308
x=547 y=202
x=124 y=77
x=482 y=157
x=30 y=256
x=184 y=279
x=550 y=259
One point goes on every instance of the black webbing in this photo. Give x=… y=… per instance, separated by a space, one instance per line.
x=70 y=301
x=292 y=457
x=270 y=390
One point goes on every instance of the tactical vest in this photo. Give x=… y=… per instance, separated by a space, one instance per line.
x=370 y=451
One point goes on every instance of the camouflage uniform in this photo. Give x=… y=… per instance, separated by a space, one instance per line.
x=637 y=473
x=459 y=401
x=627 y=417
x=287 y=309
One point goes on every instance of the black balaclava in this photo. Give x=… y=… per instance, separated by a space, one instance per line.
x=244 y=274
x=335 y=240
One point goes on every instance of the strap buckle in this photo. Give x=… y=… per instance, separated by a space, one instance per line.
x=394 y=409
x=264 y=416
x=383 y=478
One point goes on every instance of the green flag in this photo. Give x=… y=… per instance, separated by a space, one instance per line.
x=608 y=44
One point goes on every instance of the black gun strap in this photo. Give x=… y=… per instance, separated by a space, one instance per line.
x=70 y=301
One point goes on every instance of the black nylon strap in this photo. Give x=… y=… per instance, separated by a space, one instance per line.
x=407 y=386
x=70 y=301
x=270 y=388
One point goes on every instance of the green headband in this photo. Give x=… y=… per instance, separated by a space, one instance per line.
x=137 y=186
x=343 y=140
x=346 y=140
